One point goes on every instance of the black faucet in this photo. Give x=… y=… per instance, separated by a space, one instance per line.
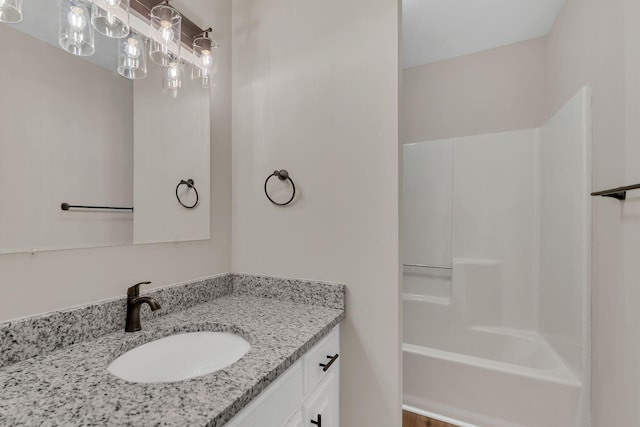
x=134 y=301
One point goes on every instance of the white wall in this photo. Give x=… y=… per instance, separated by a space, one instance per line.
x=565 y=231
x=598 y=43
x=54 y=148
x=53 y=280
x=172 y=143
x=427 y=193
x=427 y=199
x=495 y=212
x=475 y=198
x=315 y=91
x=496 y=90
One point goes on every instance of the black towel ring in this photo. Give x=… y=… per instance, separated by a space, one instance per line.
x=282 y=175
x=189 y=183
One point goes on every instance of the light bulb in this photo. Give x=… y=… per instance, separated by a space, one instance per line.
x=111 y=19
x=113 y=3
x=173 y=76
x=130 y=63
x=206 y=59
x=76 y=19
x=132 y=49
x=173 y=71
x=166 y=31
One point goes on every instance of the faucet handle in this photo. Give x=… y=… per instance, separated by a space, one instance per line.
x=134 y=291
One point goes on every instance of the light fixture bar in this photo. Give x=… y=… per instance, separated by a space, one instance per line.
x=189 y=29
x=203 y=32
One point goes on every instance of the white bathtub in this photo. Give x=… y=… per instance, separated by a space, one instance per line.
x=488 y=377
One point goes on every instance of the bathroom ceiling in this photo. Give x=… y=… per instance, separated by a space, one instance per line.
x=435 y=30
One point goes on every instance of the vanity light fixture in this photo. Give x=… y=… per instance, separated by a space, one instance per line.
x=79 y=19
x=11 y=11
x=166 y=29
x=206 y=52
x=75 y=32
x=111 y=17
x=132 y=61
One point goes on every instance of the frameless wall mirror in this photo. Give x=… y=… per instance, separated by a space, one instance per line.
x=90 y=131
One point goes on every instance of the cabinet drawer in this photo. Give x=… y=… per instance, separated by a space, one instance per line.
x=275 y=404
x=321 y=354
x=322 y=407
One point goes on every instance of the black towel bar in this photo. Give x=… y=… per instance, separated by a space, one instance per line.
x=619 y=193
x=67 y=206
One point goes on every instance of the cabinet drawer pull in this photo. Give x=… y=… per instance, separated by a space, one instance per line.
x=326 y=366
x=319 y=422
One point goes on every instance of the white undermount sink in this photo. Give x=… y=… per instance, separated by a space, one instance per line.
x=179 y=357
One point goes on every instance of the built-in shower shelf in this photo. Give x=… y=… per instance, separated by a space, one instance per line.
x=619 y=193
x=437 y=267
x=426 y=298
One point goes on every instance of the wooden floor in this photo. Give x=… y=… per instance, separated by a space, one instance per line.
x=412 y=420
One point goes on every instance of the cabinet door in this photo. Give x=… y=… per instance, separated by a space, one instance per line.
x=322 y=407
x=273 y=406
x=296 y=420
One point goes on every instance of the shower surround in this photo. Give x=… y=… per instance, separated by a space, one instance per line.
x=496 y=277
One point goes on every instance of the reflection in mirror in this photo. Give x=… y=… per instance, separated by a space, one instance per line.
x=111 y=17
x=73 y=130
x=11 y=11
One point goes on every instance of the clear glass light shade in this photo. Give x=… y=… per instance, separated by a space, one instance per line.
x=206 y=64
x=204 y=76
x=11 y=11
x=166 y=31
x=161 y=54
x=111 y=17
x=132 y=60
x=75 y=32
x=206 y=52
x=172 y=78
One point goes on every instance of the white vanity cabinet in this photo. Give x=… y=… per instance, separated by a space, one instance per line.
x=306 y=395
x=322 y=405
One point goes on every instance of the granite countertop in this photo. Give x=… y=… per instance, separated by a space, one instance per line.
x=71 y=386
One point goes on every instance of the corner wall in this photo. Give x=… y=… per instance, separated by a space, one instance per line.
x=315 y=91
x=598 y=43
x=448 y=220
x=33 y=284
x=565 y=238
x=496 y=90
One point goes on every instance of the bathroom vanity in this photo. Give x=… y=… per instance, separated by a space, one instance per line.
x=308 y=391
x=54 y=367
